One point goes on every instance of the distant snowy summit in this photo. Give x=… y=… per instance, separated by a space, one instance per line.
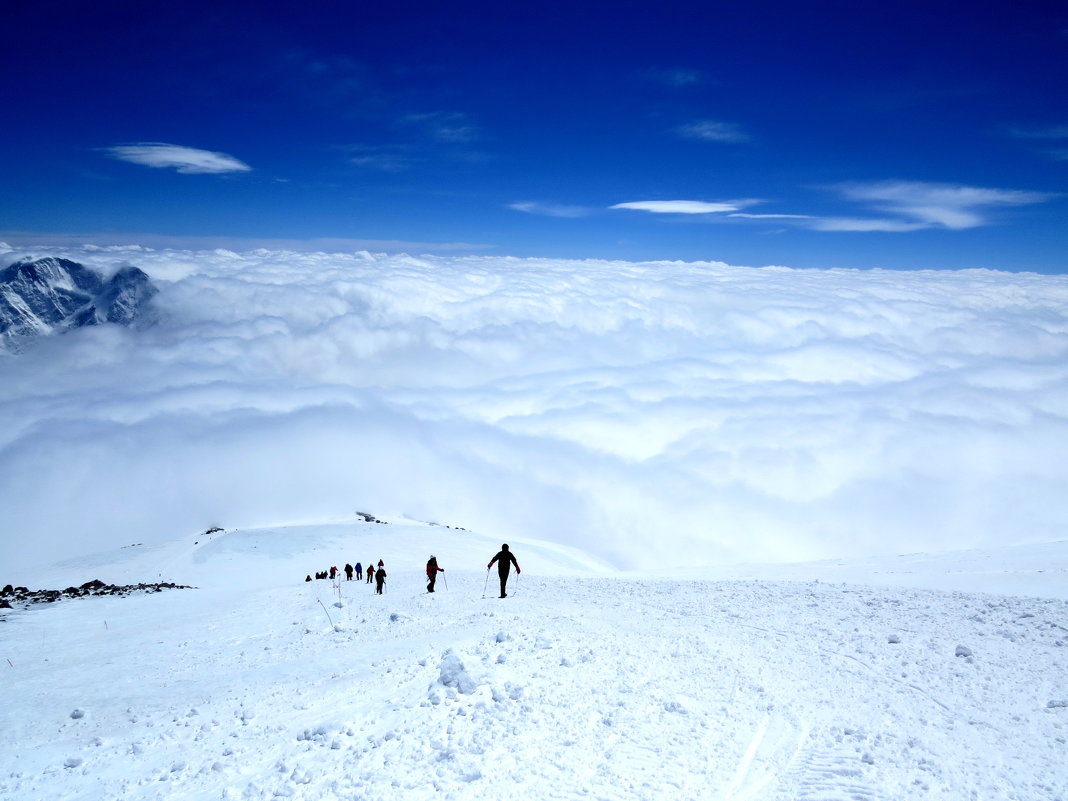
x=50 y=295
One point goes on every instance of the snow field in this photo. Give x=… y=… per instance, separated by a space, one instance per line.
x=573 y=687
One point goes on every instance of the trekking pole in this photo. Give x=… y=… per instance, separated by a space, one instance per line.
x=486 y=584
x=447 y=581
x=326 y=613
x=515 y=592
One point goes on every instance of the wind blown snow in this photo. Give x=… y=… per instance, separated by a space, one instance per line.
x=653 y=414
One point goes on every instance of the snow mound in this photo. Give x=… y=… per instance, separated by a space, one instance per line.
x=454 y=675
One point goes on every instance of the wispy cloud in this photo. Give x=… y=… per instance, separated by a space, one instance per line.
x=744 y=216
x=551 y=209
x=678 y=77
x=1056 y=135
x=419 y=140
x=450 y=127
x=902 y=205
x=327 y=80
x=917 y=205
x=188 y=160
x=385 y=158
x=1047 y=132
x=686 y=206
x=862 y=224
x=713 y=131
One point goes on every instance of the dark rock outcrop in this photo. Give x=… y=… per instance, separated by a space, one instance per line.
x=22 y=598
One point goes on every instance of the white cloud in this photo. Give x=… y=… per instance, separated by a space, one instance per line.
x=551 y=209
x=685 y=206
x=933 y=205
x=903 y=206
x=713 y=131
x=906 y=206
x=661 y=412
x=189 y=160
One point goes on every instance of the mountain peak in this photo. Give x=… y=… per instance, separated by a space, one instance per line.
x=42 y=296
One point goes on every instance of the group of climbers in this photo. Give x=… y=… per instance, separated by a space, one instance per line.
x=504 y=561
x=378 y=576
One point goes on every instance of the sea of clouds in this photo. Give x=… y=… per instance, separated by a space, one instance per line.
x=654 y=413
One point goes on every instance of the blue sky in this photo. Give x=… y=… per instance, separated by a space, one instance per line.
x=827 y=134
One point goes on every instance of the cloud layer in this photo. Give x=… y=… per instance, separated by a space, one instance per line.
x=656 y=413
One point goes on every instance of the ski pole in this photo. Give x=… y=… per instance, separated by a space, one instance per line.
x=447 y=581
x=486 y=584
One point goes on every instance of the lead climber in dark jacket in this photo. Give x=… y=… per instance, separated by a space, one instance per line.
x=504 y=559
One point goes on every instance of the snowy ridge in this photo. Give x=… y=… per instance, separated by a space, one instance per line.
x=259 y=685
x=42 y=296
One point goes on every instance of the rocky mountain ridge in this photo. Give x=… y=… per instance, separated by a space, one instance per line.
x=43 y=296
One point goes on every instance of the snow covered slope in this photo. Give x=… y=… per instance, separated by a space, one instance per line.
x=41 y=296
x=1039 y=570
x=581 y=684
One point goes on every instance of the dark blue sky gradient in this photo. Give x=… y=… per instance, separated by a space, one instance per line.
x=935 y=133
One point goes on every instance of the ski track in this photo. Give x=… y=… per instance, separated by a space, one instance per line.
x=571 y=688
